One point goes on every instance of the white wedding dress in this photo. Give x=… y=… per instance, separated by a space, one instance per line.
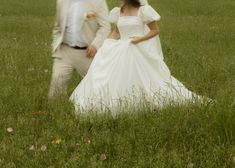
x=124 y=74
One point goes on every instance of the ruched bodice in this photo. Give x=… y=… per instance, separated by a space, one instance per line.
x=130 y=26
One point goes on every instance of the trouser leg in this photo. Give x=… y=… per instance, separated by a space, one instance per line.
x=63 y=67
x=81 y=62
x=61 y=75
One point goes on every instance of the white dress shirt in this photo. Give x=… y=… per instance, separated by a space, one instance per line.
x=73 y=29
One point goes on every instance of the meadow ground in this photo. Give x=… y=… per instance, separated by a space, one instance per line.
x=198 y=40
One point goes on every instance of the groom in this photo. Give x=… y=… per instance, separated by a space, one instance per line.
x=80 y=29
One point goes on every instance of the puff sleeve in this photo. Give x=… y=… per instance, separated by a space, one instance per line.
x=148 y=14
x=114 y=15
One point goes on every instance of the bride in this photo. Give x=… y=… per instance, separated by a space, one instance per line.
x=129 y=67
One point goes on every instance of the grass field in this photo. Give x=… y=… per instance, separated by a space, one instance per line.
x=198 y=40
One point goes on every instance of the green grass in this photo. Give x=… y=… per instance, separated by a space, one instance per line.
x=198 y=40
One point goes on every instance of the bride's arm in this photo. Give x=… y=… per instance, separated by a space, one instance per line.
x=114 y=34
x=154 y=30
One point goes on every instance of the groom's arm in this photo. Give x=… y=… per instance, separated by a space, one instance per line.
x=104 y=25
x=56 y=30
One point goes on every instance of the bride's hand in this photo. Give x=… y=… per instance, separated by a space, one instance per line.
x=135 y=40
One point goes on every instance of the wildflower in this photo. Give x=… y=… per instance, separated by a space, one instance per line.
x=43 y=148
x=57 y=141
x=46 y=70
x=89 y=141
x=103 y=157
x=32 y=148
x=10 y=130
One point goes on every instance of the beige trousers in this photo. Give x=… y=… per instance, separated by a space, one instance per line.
x=71 y=59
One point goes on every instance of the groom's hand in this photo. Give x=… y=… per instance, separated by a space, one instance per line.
x=91 y=51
